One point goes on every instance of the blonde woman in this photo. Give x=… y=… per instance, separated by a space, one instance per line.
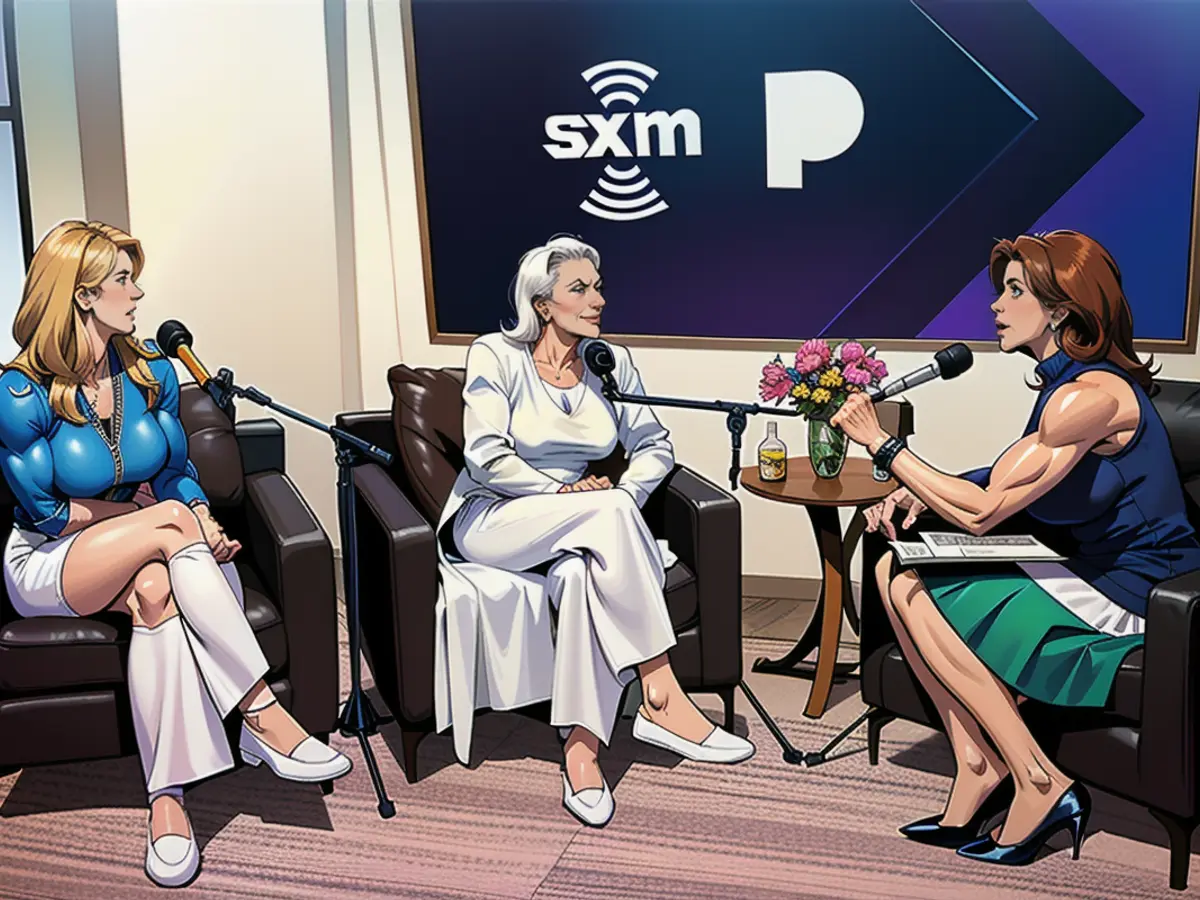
x=88 y=413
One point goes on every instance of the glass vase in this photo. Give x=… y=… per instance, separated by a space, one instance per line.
x=826 y=448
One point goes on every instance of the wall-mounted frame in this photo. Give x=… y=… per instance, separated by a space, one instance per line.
x=875 y=239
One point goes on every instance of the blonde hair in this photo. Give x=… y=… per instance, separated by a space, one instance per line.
x=49 y=325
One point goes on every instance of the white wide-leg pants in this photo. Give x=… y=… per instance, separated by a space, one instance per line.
x=606 y=582
x=189 y=672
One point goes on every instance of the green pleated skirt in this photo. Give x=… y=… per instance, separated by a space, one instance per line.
x=1028 y=640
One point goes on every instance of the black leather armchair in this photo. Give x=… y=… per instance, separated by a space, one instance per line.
x=63 y=696
x=1143 y=745
x=397 y=512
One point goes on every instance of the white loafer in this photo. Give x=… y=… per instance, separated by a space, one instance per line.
x=172 y=860
x=591 y=806
x=718 y=747
x=310 y=761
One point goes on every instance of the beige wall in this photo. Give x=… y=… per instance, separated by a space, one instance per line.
x=228 y=158
x=232 y=188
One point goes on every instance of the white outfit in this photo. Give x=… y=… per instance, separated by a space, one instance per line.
x=1083 y=600
x=33 y=566
x=496 y=645
x=568 y=398
x=185 y=675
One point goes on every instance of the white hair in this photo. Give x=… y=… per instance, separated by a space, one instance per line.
x=537 y=274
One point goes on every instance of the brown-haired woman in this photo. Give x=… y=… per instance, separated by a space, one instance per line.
x=88 y=413
x=1095 y=458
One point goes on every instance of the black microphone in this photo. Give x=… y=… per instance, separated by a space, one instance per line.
x=175 y=340
x=949 y=362
x=599 y=359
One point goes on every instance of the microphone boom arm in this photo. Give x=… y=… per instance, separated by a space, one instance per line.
x=735 y=419
x=228 y=390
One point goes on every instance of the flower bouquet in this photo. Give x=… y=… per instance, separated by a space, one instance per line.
x=817 y=384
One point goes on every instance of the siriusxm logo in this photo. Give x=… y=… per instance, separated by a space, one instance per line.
x=811 y=116
x=594 y=135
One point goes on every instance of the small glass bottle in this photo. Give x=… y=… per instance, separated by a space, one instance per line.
x=772 y=456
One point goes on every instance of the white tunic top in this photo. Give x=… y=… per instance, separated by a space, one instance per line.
x=518 y=440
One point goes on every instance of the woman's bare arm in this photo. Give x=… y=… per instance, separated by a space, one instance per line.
x=1078 y=417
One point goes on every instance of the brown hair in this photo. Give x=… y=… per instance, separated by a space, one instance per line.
x=49 y=327
x=1071 y=271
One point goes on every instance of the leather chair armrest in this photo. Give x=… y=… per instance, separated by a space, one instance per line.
x=703 y=526
x=261 y=442
x=398 y=579
x=294 y=556
x=1167 y=745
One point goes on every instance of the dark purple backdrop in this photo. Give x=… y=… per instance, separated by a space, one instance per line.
x=1137 y=199
x=983 y=120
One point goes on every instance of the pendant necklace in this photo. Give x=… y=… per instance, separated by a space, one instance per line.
x=558 y=374
x=113 y=443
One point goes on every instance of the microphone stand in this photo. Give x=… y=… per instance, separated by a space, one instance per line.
x=735 y=421
x=358 y=717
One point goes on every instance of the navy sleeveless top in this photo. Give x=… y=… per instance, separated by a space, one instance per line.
x=1125 y=512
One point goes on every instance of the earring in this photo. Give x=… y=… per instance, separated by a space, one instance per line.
x=1054 y=325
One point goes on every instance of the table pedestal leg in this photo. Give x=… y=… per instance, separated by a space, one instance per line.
x=792 y=663
x=834 y=586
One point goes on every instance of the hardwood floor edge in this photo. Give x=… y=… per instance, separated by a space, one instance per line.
x=782 y=587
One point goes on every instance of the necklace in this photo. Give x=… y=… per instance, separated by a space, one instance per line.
x=113 y=443
x=558 y=372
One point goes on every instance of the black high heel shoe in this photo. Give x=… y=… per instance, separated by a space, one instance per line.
x=1071 y=812
x=930 y=831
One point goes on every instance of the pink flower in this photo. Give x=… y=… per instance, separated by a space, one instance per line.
x=877 y=367
x=856 y=373
x=775 y=382
x=811 y=356
x=851 y=351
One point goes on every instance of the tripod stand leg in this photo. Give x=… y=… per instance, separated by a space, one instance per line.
x=790 y=754
x=387 y=808
x=822 y=755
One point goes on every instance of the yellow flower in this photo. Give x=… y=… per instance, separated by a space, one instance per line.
x=831 y=379
x=821 y=395
x=800 y=391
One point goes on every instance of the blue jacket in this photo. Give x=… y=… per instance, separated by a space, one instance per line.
x=48 y=461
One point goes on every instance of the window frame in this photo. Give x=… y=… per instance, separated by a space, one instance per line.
x=12 y=113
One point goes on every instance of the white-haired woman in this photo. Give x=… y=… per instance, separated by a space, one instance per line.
x=524 y=532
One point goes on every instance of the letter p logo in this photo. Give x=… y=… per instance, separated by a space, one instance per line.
x=812 y=116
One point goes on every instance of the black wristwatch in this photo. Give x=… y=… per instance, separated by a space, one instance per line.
x=886 y=454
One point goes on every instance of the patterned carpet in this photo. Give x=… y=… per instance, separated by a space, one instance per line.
x=759 y=830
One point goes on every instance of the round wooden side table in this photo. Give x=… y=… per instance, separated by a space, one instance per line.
x=822 y=498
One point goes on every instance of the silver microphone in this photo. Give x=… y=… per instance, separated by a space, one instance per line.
x=949 y=362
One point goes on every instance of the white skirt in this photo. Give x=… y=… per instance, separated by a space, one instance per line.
x=33 y=572
x=1083 y=600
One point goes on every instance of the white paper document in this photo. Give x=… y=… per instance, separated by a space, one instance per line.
x=943 y=546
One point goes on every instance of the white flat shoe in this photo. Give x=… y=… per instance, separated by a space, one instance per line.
x=718 y=747
x=591 y=806
x=310 y=761
x=172 y=860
